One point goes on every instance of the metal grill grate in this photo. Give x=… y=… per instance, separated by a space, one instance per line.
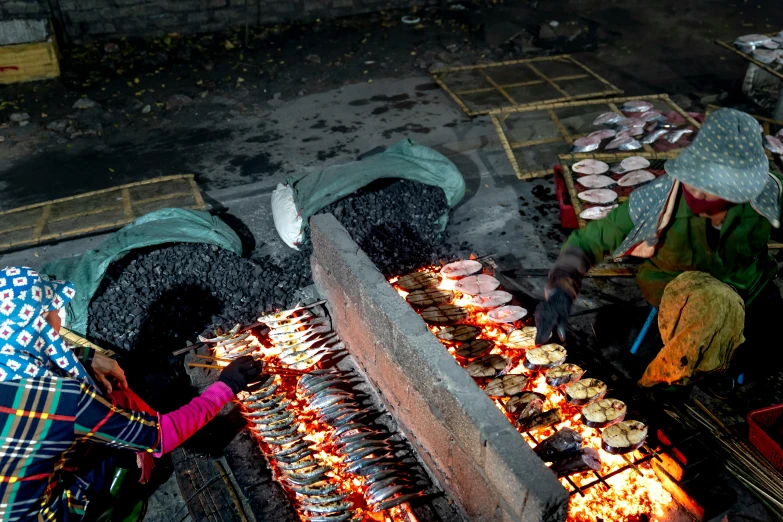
x=497 y=87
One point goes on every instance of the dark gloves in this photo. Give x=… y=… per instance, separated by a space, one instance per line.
x=565 y=280
x=242 y=372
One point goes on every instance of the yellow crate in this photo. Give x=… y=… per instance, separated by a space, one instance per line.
x=29 y=62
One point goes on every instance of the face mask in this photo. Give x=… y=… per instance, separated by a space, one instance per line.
x=702 y=206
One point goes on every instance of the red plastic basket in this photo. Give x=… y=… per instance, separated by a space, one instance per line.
x=567 y=213
x=765 y=418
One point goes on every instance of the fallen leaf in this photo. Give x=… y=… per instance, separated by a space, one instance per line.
x=228 y=45
x=111 y=169
x=135 y=80
x=199 y=82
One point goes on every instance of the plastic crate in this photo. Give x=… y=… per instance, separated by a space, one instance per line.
x=765 y=418
x=567 y=213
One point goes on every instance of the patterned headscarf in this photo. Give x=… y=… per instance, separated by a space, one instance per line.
x=29 y=346
x=726 y=159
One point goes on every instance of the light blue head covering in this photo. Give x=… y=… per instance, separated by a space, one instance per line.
x=726 y=159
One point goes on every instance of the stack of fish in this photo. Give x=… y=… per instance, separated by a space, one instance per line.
x=766 y=49
x=636 y=123
x=366 y=452
x=302 y=337
x=232 y=344
x=595 y=177
x=774 y=143
x=301 y=469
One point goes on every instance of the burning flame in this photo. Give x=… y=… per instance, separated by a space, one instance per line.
x=318 y=433
x=631 y=494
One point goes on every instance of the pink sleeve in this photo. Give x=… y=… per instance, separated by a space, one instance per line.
x=176 y=427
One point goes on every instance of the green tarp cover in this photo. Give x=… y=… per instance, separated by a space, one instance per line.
x=168 y=225
x=405 y=159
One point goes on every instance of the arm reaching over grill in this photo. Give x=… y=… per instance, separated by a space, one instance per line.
x=102 y=422
x=583 y=249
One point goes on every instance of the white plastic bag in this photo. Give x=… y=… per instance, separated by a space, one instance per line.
x=288 y=222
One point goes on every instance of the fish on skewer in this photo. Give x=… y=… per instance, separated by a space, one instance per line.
x=286 y=313
x=303 y=347
x=277 y=332
x=218 y=338
x=299 y=334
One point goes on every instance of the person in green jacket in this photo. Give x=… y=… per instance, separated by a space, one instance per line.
x=703 y=230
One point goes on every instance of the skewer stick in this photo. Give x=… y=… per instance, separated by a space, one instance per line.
x=199 y=345
x=268 y=370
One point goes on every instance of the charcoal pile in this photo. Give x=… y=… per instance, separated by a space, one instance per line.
x=166 y=296
x=393 y=221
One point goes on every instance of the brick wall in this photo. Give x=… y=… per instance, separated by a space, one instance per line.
x=84 y=19
x=468 y=444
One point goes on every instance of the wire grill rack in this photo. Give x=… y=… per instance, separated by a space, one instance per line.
x=496 y=87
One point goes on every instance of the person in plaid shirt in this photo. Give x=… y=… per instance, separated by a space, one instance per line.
x=51 y=412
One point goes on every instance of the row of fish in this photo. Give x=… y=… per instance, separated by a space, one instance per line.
x=635 y=124
x=594 y=176
x=301 y=337
x=766 y=49
x=366 y=452
x=318 y=495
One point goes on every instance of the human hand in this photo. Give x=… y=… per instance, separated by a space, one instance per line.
x=242 y=372
x=104 y=368
x=553 y=313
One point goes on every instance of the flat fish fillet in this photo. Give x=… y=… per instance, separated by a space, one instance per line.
x=635 y=163
x=460 y=269
x=636 y=106
x=507 y=314
x=478 y=284
x=753 y=39
x=586 y=144
x=522 y=338
x=595 y=181
x=593 y=213
x=652 y=115
x=630 y=122
x=586 y=390
x=546 y=356
x=598 y=196
x=590 y=166
x=773 y=144
x=490 y=365
x=604 y=412
x=621 y=142
x=765 y=56
x=607 y=118
x=623 y=437
x=603 y=134
x=636 y=177
x=491 y=300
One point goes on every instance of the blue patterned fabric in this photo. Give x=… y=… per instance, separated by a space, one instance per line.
x=29 y=346
x=726 y=159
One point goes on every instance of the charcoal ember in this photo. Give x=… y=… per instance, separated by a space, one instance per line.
x=394 y=223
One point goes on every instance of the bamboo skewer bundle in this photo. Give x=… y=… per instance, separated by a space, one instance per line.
x=742 y=460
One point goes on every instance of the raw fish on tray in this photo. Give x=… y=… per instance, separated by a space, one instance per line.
x=773 y=144
x=632 y=163
x=595 y=181
x=654 y=136
x=598 y=196
x=586 y=144
x=590 y=166
x=636 y=177
x=675 y=135
x=602 y=134
x=624 y=143
x=607 y=118
x=593 y=213
x=652 y=115
x=636 y=106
